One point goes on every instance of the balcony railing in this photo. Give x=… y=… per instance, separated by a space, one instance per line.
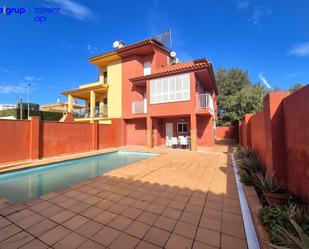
x=204 y=101
x=139 y=107
x=98 y=112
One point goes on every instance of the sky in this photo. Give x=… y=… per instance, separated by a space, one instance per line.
x=268 y=39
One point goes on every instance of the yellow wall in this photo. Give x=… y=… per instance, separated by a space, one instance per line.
x=101 y=77
x=90 y=84
x=114 y=94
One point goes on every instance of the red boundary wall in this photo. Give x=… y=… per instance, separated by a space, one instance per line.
x=22 y=140
x=227 y=132
x=279 y=135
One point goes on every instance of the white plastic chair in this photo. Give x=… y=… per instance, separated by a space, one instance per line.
x=174 y=141
x=183 y=141
x=168 y=142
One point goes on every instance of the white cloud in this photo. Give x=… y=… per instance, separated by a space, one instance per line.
x=265 y=82
x=300 y=49
x=291 y=75
x=258 y=13
x=73 y=9
x=92 y=49
x=241 y=4
x=32 y=78
x=5 y=70
x=16 y=89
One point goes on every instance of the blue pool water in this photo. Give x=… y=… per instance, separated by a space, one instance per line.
x=22 y=185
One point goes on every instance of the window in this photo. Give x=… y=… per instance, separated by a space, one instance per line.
x=182 y=127
x=170 y=89
x=147 y=68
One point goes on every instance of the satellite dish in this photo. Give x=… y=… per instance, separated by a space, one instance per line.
x=176 y=60
x=116 y=44
x=173 y=54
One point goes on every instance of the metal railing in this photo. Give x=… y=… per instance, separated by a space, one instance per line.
x=138 y=107
x=204 y=101
x=98 y=112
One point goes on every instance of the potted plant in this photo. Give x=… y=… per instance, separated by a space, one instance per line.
x=271 y=190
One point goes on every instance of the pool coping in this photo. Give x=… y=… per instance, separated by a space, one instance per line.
x=67 y=157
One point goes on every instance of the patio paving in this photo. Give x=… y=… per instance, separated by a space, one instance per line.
x=177 y=200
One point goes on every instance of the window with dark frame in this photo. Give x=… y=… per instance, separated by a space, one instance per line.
x=182 y=127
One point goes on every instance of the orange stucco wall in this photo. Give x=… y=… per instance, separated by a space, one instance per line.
x=135 y=131
x=34 y=139
x=279 y=134
x=226 y=132
x=64 y=138
x=14 y=140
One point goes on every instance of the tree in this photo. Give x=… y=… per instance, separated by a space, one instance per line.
x=295 y=87
x=237 y=95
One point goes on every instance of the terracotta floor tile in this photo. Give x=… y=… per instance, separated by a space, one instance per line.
x=30 y=221
x=172 y=213
x=124 y=241
x=51 y=211
x=9 y=231
x=16 y=241
x=105 y=204
x=4 y=222
x=105 y=236
x=20 y=215
x=156 y=209
x=91 y=212
x=146 y=245
x=185 y=229
x=117 y=208
x=207 y=236
x=157 y=236
x=89 y=228
x=210 y=223
x=211 y=213
x=199 y=245
x=232 y=218
x=132 y=213
x=165 y=223
x=127 y=201
x=120 y=223
x=79 y=207
x=92 y=200
x=178 y=242
x=41 y=206
x=194 y=209
x=137 y=229
x=41 y=227
x=105 y=217
x=147 y=218
x=75 y=222
x=34 y=244
x=71 y=241
x=233 y=229
x=230 y=242
x=89 y=244
x=54 y=235
x=190 y=218
x=177 y=204
x=141 y=204
x=62 y=216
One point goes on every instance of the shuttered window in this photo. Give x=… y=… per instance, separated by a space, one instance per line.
x=170 y=89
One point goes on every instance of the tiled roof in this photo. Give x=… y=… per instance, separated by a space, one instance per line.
x=177 y=68
x=128 y=47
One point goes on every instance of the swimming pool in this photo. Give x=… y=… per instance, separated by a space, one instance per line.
x=22 y=185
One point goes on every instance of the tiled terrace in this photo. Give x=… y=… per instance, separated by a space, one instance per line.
x=176 y=200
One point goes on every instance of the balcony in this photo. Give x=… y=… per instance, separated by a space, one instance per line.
x=204 y=101
x=98 y=112
x=139 y=107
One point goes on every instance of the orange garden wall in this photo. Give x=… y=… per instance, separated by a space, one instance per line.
x=14 y=140
x=279 y=135
x=227 y=132
x=22 y=140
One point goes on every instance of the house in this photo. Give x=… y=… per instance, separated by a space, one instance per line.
x=154 y=97
x=62 y=107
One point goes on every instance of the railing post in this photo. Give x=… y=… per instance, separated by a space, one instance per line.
x=34 y=141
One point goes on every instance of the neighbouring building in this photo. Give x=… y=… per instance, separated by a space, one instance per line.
x=155 y=97
x=62 y=107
